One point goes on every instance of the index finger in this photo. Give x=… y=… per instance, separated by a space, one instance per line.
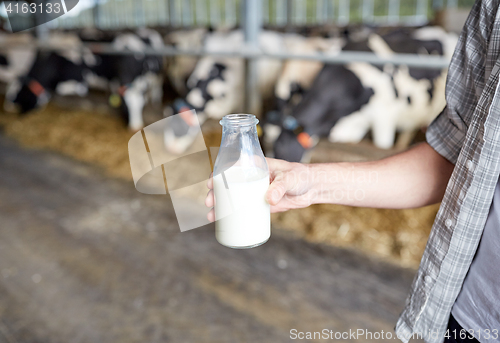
x=276 y=165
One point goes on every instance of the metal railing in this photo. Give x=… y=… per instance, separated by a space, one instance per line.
x=344 y=57
x=113 y=14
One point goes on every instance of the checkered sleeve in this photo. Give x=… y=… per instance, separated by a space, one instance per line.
x=445 y=137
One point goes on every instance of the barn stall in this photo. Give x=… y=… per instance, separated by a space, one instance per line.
x=88 y=128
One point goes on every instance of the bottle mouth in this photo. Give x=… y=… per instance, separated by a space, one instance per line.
x=239 y=120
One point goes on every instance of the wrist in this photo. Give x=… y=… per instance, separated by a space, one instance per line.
x=331 y=183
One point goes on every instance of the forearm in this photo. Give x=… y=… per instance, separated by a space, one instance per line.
x=414 y=178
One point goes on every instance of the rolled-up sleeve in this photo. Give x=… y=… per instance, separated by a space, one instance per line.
x=445 y=137
x=475 y=56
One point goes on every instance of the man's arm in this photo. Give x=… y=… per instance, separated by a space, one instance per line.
x=414 y=178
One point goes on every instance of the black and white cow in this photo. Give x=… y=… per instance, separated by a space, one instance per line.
x=335 y=93
x=136 y=78
x=394 y=98
x=17 y=53
x=47 y=71
x=417 y=96
x=216 y=86
x=179 y=68
x=296 y=78
x=68 y=71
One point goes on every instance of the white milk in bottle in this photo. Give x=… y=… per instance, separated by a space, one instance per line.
x=244 y=212
x=241 y=179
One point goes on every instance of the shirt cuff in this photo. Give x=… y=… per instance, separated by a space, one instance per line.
x=445 y=137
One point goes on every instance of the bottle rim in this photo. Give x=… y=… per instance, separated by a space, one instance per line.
x=239 y=119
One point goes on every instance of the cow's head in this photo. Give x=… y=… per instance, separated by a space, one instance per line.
x=289 y=98
x=182 y=128
x=293 y=141
x=130 y=100
x=27 y=95
x=287 y=147
x=210 y=91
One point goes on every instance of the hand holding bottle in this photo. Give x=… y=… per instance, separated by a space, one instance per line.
x=289 y=187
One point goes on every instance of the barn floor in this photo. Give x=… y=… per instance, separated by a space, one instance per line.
x=86 y=258
x=93 y=135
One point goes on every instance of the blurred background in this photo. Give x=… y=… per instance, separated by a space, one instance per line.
x=84 y=257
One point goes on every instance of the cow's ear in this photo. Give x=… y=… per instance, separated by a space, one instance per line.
x=220 y=67
x=295 y=87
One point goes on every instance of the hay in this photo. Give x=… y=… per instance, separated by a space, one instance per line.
x=396 y=235
x=101 y=139
x=88 y=136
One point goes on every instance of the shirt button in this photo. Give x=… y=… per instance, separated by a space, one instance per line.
x=470 y=165
x=462 y=195
x=428 y=279
x=448 y=222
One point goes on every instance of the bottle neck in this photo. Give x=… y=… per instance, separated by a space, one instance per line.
x=240 y=145
x=239 y=120
x=239 y=127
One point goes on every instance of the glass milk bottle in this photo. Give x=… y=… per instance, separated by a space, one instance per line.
x=241 y=179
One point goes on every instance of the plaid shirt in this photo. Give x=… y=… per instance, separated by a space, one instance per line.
x=467 y=133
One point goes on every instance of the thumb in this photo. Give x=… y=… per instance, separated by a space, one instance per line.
x=277 y=189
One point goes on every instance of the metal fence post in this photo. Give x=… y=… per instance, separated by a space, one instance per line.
x=186 y=13
x=321 y=11
x=368 y=10
x=265 y=11
x=214 y=13
x=393 y=11
x=138 y=13
x=344 y=12
x=162 y=13
x=230 y=15
x=289 y=13
x=422 y=8
x=281 y=12
x=172 y=11
x=300 y=14
x=252 y=24
x=96 y=9
x=201 y=12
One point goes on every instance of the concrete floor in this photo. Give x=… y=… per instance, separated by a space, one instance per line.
x=86 y=258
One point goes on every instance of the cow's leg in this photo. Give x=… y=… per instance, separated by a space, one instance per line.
x=384 y=128
x=155 y=88
x=134 y=100
x=351 y=129
x=12 y=89
x=405 y=138
x=157 y=91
